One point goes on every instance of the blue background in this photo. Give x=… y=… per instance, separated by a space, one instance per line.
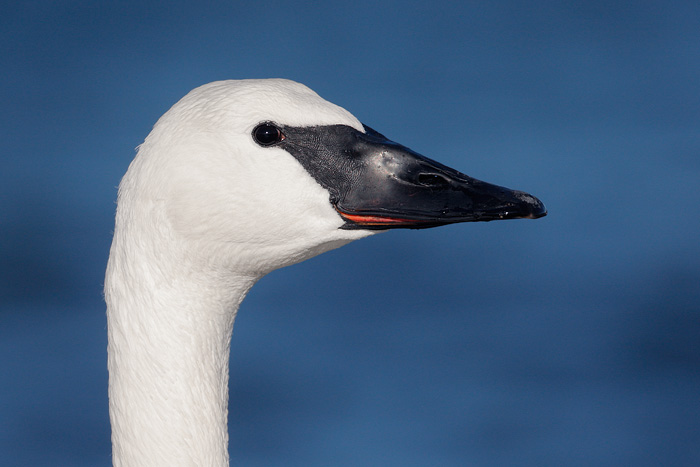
x=570 y=340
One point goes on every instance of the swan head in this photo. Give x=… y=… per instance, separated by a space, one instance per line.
x=260 y=174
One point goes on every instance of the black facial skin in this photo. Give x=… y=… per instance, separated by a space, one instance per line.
x=377 y=184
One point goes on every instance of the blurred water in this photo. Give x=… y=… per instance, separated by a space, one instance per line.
x=571 y=340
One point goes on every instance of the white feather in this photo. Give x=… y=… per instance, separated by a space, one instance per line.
x=203 y=213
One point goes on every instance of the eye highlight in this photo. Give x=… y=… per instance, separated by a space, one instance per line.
x=267 y=134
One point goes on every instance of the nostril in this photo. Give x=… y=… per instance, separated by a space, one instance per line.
x=432 y=180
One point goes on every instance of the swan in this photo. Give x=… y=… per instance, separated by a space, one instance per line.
x=237 y=179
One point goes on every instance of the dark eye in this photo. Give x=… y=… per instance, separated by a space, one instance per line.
x=267 y=134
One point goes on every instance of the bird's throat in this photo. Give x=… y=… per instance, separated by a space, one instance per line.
x=168 y=365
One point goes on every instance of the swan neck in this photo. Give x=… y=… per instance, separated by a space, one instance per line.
x=168 y=358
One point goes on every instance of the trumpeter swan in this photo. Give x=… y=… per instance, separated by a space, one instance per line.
x=237 y=179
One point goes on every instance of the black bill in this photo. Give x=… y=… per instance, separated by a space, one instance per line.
x=375 y=183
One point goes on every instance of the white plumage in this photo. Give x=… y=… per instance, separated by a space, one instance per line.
x=203 y=213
